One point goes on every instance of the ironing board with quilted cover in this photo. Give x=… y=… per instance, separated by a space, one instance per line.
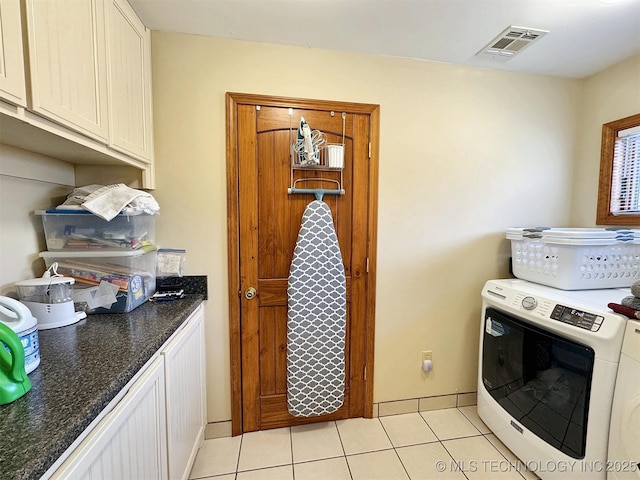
x=316 y=321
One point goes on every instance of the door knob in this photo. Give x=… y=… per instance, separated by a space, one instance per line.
x=249 y=293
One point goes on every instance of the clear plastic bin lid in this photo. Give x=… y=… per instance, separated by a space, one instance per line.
x=72 y=211
x=99 y=253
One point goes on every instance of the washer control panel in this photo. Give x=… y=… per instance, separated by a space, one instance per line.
x=579 y=318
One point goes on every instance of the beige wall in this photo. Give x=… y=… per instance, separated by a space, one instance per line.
x=608 y=96
x=464 y=154
x=28 y=182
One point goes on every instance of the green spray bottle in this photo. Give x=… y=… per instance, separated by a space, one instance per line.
x=14 y=381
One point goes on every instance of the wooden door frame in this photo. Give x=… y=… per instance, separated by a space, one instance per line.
x=233 y=225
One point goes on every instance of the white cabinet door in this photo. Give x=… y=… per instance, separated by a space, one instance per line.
x=130 y=442
x=12 y=80
x=129 y=66
x=67 y=58
x=185 y=395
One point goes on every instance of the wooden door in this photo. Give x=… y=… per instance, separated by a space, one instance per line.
x=264 y=220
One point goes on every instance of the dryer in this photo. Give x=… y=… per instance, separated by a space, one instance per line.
x=624 y=434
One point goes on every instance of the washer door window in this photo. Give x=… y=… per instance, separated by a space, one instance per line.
x=542 y=380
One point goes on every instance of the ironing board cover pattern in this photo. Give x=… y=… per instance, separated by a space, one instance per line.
x=316 y=323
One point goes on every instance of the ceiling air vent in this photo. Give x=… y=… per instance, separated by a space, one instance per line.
x=511 y=42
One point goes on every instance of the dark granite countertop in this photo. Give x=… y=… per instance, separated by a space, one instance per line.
x=82 y=368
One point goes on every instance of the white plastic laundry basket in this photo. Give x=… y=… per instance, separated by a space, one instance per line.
x=576 y=259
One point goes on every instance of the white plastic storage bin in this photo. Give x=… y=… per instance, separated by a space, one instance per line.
x=82 y=230
x=133 y=272
x=576 y=259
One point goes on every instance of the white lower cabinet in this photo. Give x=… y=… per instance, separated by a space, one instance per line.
x=156 y=429
x=130 y=442
x=185 y=396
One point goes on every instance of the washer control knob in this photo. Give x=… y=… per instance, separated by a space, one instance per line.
x=529 y=303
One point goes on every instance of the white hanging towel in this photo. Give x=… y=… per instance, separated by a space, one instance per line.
x=316 y=322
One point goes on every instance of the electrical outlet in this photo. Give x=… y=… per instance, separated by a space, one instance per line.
x=427 y=355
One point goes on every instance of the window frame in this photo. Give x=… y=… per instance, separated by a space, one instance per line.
x=609 y=134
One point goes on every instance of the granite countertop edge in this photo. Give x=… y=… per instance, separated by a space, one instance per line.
x=96 y=358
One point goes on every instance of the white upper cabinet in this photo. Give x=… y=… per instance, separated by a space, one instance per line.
x=129 y=68
x=75 y=82
x=12 y=80
x=67 y=59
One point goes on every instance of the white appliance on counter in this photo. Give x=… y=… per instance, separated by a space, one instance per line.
x=50 y=301
x=547 y=368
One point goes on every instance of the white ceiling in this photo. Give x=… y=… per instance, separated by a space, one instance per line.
x=586 y=36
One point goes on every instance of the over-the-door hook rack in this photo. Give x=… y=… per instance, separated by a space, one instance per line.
x=333 y=161
x=318 y=192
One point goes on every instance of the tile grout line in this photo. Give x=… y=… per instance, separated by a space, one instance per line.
x=343 y=450
x=239 y=453
x=395 y=450
x=484 y=436
x=503 y=455
x=456 y=438
x=451 y=456
x=469 y=420
x=293 y=470
x=429 y=426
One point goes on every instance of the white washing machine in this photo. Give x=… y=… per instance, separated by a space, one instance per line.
x=547 y=370
x=624 y=435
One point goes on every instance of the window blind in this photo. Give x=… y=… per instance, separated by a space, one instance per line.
x=625 y=188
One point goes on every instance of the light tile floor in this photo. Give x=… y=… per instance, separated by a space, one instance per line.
x=452 y=443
